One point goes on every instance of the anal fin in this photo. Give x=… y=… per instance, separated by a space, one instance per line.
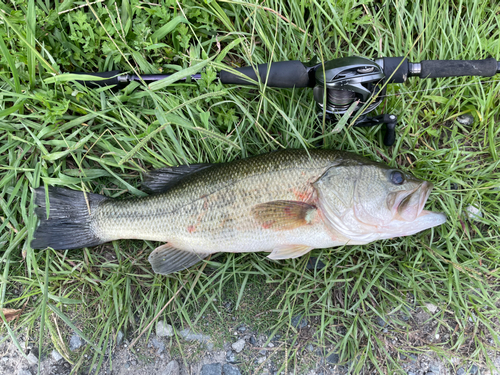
x=167 y=259
x=289 y=251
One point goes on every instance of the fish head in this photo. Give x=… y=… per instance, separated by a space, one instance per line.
x=364 y=201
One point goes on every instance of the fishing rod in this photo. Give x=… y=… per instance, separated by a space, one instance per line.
x=353 y=85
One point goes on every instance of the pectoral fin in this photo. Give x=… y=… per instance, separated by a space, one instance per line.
x=167 y=259
x=284 y=215
x=289 y=251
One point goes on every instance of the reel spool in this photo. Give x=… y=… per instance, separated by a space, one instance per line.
x=346 y=80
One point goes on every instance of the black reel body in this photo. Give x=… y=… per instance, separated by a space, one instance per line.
x=346 y=80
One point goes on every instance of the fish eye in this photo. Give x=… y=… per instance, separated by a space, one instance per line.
x=397 y=177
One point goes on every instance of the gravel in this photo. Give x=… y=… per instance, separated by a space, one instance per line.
x=55 y=355
x=230 y=356
x=230 y=370
x=314 y=263
x=32 y=359
x=24 y=372
x=163 y=329
x=172 y=368
x=333 y=358
x=119 y=337
x=211 y=369
x=466 y=119
x=75 y=342
x=432 y=308
x=238 y=346
x=381 y=322
x=187 y=335
x=299 y=322
x=157 y=344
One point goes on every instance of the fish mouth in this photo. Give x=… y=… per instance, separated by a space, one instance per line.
x=411 y=205
x=410 y=217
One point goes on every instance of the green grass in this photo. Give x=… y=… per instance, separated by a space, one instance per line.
x=63 y=134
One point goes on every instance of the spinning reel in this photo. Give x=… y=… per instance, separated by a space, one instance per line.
x=348 y=84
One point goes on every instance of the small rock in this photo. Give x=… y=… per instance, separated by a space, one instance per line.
x=32 y=359
x=119 y=337
x=474 y=369
x=75 y=342
x=261 y=360
x=230 y=357
x=314 y=263
x=310 y=348
x=242 y=329
x=413 y=357
x=253 y=340
x=238 y=345
x=262 y=352
x=466 y=119
x=473 y=213
x=133 y=362
x=186 y=334
x=157 y=344
x=381 y=322
x=211 y=369
x=299 y=322
x=24 y=372
x=429 y=373
x=163 y=329
x=55 y=355
x=411 y=373
x=333 y=358
x=432 y=308
x=172 y=368
x=461 y=371
x=422 y=317
x=434 y=368
x=473 y=318
x=385 y=330
x=230 y=370
x=270 y=345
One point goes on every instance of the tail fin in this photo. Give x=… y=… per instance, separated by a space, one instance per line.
x=69 y=223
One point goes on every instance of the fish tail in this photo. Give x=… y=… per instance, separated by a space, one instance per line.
x=69 y=221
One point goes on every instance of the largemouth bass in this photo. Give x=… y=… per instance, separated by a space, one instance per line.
x=286 y=203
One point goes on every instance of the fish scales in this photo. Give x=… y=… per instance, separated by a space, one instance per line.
x=212 y=208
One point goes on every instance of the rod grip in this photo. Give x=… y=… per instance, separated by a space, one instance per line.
x=458 y=68
x=283 y=74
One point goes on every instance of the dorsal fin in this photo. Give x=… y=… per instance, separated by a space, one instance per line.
x=160 y=180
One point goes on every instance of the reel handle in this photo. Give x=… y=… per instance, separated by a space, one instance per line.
x=285 y=74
